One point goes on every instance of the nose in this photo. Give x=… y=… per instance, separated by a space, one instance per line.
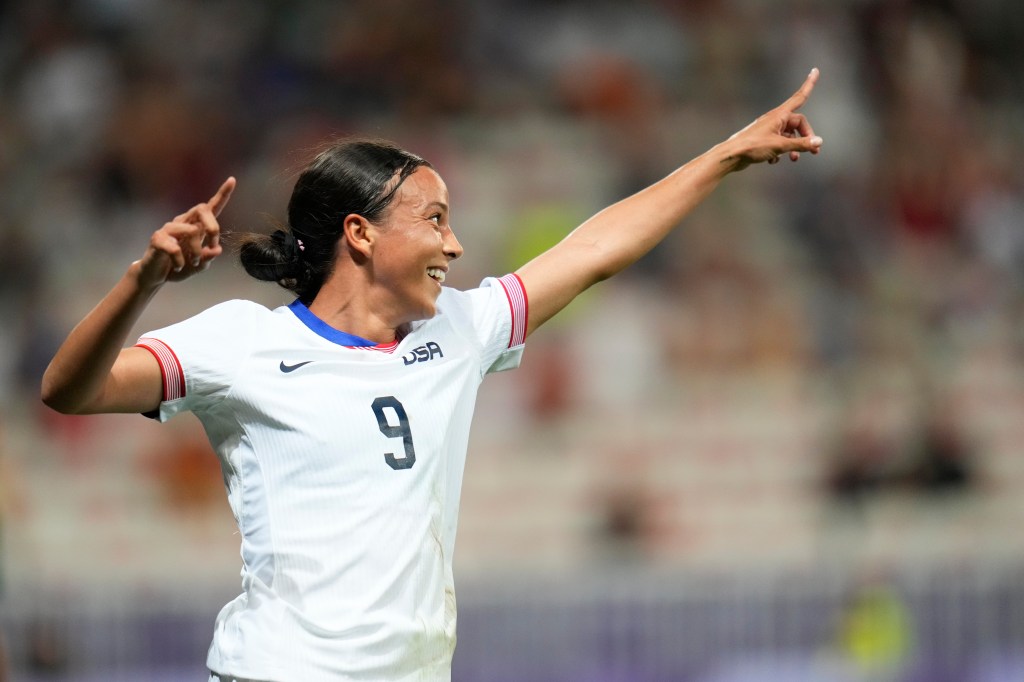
x=452 y=247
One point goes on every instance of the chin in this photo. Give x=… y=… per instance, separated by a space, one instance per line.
x=422 y=309
x=429 y=311
x=430 y=307
x=425 y=312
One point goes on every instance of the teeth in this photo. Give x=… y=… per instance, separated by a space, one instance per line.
x=436 y=273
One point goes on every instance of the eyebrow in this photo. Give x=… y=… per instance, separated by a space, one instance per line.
x=440 y=204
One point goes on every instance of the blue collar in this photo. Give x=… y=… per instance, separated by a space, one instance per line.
x=325 y=330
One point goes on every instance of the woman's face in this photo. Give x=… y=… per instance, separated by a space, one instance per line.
x=415 y=244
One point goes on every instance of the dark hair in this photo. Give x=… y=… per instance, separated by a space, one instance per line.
x=352 y=176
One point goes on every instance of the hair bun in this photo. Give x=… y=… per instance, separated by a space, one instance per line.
x=291 y=248
x=274 y=258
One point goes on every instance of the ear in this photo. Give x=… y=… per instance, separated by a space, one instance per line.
x=360 y=235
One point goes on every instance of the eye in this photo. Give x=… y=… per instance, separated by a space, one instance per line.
x=436 y=218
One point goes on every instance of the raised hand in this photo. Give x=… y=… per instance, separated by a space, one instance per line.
x=187 y=244
x=779 y=131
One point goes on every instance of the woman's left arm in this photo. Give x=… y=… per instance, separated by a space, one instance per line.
x=619 y=235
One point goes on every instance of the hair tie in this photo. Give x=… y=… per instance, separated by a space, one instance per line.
x=288 y=244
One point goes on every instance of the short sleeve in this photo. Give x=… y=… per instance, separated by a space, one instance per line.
x=200 y=357
x=500 y=311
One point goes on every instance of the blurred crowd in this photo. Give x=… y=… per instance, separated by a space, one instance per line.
x=888 y=268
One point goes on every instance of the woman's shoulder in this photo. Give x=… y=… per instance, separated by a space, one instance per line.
x=464 y=307
x=467 y=298
x=236 y=307
x=233 y=312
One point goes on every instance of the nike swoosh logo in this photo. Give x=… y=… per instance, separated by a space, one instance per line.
x=291 y=368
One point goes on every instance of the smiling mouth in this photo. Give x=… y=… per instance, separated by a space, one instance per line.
x=437 y=274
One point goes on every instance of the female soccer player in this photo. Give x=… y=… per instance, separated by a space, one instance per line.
x=341 y=420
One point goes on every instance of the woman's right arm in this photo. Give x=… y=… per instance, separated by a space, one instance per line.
x=92 y=372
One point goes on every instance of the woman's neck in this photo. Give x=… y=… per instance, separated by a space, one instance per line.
x=351 y=310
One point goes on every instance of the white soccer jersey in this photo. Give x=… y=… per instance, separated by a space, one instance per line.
x=343 y=464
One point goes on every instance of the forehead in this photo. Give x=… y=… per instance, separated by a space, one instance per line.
x=423 y=186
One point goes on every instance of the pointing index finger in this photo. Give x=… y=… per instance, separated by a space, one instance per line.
x=223 y=195
x=801 y=95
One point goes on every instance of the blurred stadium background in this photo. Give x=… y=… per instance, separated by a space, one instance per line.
x=787 y=446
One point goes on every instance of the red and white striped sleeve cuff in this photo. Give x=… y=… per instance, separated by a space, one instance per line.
x=518 y=304
x=170 y=368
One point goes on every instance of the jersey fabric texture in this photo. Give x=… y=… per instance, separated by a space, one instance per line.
x=343 y=462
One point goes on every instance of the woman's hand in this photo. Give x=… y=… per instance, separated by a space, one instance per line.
x=185 y=245
x=777 y=132
x=90 y=372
